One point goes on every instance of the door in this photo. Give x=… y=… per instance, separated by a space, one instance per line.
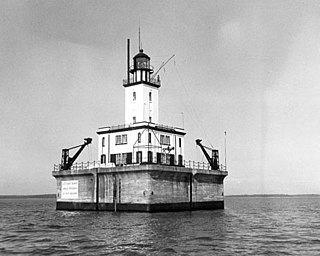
x=139 y=156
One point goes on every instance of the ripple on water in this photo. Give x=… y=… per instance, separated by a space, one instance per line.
x=248 y=226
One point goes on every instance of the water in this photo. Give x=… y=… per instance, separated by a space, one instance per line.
x=248 y=226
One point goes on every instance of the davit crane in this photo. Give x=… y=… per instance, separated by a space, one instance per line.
x=66 y=160
x=214 y=159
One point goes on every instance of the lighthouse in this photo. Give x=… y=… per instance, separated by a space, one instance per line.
x=142 y=138
x=141 y=165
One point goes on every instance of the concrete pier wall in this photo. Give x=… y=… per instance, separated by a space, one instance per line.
x=140 y=188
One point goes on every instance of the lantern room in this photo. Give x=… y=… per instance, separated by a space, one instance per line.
x=141 y=69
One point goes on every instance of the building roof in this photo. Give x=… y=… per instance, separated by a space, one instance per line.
x=141 y=54
x=141 y=125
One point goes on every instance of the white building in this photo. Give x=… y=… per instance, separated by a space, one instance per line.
x=141 y=139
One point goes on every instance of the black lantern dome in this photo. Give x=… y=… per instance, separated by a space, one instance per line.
x=141 y=61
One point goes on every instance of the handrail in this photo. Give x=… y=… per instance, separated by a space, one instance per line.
x=84 y=166
x=151 y=125
x=151 y=80
x=97 y=164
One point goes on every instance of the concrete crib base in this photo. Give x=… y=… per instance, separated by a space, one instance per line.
x=166 y=207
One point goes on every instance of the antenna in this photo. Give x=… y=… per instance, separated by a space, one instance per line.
x=182 y=119
x=139 y=38
x=162 y=65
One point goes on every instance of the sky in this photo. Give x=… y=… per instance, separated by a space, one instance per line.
x=250 y=68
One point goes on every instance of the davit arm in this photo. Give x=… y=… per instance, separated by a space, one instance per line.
x=214 y=160
x=66 y=161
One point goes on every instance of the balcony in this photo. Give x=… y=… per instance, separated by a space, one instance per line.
x=151 y=80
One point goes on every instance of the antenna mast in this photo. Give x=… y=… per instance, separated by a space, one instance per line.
x=139 y=39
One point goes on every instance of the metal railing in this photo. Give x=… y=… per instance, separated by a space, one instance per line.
x=84 y=166
x=151 y=125
x=151 y=80
x=97 y=164
x=197 y=165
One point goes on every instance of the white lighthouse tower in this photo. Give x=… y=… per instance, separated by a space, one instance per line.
x=141 y=92
x=141 y=139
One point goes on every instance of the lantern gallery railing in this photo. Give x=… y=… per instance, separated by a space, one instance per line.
x=151 y=80
x=97 y=164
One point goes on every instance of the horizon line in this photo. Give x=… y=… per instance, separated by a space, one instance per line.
x=52 y=195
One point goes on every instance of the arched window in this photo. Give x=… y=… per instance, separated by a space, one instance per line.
x=103 y=141
x=139 y=157
x=103 y=159
x=139 y=137
x=134 y=96
x=150 y=96
x=149 y=137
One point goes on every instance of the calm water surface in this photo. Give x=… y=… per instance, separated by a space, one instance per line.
x=248 y=226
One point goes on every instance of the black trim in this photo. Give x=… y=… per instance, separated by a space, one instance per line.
x=142 y=82
x=190 y=182
x=187 y=206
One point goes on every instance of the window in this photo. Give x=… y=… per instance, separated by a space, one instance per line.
x=103 y=159
x=134 y=97
x=134 y=119
x=180 y=160
x=143 y=75
x=165 y=139
x=179 y=142
x=129 y=158
x=123 y=158
x=164 y=159
x=118 y=139
x=139 y=137
x=171 y=157
x=159 y=158
x=124 y=139
x=150 y=96
x=150 y=157
x=149 y=137
x=121 y=139
x=113 y=158
x=118 y=159
x=103 y=142
x=139 y=156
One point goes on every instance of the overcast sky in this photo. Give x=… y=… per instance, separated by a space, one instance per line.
x=251 y=68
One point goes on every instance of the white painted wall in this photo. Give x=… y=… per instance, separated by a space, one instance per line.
x=133 y=146
x=141 y=108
